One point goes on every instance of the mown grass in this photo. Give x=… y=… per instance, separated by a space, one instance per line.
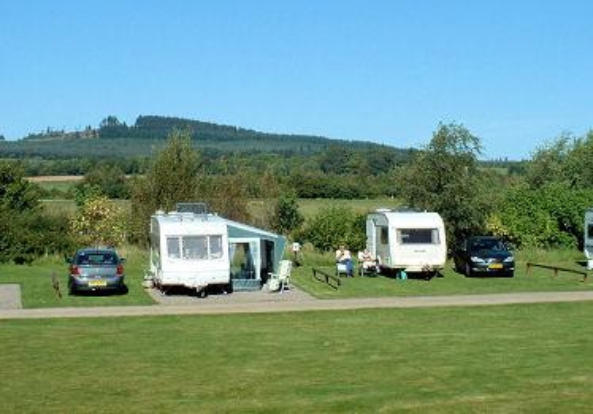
x=37 y=291
x=451 y=282
x=500 y=359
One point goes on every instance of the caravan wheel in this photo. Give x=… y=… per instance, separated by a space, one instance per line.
x=203 y=293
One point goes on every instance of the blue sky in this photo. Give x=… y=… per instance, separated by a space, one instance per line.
x=517 y=73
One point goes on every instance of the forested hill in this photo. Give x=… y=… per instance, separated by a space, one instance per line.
x=113 y=138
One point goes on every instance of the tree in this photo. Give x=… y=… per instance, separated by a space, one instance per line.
x=334 y=226
x=171 y=178
x=445 y=178
x=110 y=122
x=550 y=216
x=227 y=196
x=105 y=179
x=99 y=221
x=548 y=164
x=25 y=231
x=287 y=216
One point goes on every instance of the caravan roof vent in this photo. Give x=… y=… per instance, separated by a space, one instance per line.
x=406 y=209
x=195 y=208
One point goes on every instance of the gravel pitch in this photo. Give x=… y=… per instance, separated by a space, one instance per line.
x=10 y=297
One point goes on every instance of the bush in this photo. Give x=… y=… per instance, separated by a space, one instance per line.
x=333 y=226
x=549 y=217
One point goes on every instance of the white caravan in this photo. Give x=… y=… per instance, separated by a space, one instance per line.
x=407 y=240
x=588 y=238
x=196 y=250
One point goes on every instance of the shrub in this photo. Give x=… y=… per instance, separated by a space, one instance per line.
x=550 y=216
x=333 y=226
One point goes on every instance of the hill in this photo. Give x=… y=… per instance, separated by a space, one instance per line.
x=116 y=139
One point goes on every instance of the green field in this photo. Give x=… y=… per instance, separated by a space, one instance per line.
x=307 y=207
x=500 y=359
x=310 y=207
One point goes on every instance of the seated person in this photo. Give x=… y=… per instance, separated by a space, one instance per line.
x=367 y=262
x=343 y=256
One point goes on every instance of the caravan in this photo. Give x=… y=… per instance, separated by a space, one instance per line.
x=408 y=241
x=197 y=250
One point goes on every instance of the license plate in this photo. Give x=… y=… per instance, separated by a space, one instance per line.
x=97 y=283
x=495 y=266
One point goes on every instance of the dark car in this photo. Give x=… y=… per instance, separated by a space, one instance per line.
x=484 y=255
x=96 y=269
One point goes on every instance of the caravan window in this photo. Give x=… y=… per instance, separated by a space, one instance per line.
x=215 y=247
x=195 y=247
x=173 y=247
x=590 y=231
x=418 y=236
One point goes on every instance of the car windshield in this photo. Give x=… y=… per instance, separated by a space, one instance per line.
x=487 y=244
x=96 y=258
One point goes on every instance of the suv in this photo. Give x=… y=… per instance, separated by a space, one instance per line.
x=94 y=269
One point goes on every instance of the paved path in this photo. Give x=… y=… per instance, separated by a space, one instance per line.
x=238 y=303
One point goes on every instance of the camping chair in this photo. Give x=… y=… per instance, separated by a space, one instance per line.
x=341 y=268
x=280 y=281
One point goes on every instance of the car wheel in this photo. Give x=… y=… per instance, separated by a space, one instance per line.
x=468 y=270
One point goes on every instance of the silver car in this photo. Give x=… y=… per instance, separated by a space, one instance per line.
x=94 y=269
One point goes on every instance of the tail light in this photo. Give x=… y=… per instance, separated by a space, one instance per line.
x=120 y=269
x=74 y=270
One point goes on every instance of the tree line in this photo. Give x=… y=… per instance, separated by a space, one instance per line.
x=541 y=207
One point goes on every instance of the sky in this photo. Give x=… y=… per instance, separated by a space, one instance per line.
x=517 y=74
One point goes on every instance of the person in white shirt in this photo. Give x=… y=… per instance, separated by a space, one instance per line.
x=343 y=256
x=367 y=262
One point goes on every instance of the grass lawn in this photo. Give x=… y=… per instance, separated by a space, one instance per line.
x=453 y=283
x=499 y=359
x=37 y=292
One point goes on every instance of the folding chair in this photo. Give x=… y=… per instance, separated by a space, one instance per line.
x=281 y=281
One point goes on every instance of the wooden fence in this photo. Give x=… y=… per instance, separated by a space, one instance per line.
x=556 y=270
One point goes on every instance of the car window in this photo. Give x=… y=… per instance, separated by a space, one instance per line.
x=94 y=258
x=486 y=244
